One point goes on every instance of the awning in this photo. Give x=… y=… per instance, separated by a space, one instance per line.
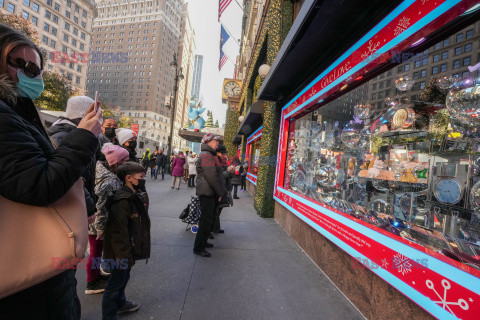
x=319 y=36
x=253 y=119
x=193 y=136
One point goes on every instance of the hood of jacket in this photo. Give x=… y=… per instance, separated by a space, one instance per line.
x=123 y=193
x=105 y=179
x=8 y=90
x=206 y=147
x=61 y=126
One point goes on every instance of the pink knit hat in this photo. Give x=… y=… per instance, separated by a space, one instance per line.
x=113 y=153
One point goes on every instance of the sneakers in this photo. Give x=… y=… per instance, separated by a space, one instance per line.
x=204 y=253
x=128 y=307
x=97 y=286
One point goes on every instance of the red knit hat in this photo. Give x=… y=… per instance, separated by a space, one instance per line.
x=209 y=137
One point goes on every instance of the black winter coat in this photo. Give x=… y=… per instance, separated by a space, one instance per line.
x=161 y=160
x=34 y=173
x=127 y=234
x=58 y=133
x=237 y=179
x=210 y=180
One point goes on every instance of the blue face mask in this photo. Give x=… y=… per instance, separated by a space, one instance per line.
x=29 y=87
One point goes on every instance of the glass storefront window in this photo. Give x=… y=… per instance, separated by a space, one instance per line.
x=401 y=152
x=254 y=156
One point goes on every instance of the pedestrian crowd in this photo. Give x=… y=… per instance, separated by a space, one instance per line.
x=85 y=154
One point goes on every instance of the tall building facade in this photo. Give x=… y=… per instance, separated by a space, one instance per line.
x=197 y=76
x=134 y=43
x=186 y=54
x=65 y=30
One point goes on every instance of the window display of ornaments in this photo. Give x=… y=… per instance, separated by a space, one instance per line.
x=315 y=127
x=403 y=118
x=350 y=136
x=404 y=83
x=390 y=102
x=362 y=111
x=405 y=203
x=464 y=107
x=327 y=196
x=375 y=170
x=326 y=176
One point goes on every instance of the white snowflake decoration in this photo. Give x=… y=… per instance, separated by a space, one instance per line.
x=443 y=300
x=371 y=48
x=403 y=24
x=385 y=263
x=402 y=264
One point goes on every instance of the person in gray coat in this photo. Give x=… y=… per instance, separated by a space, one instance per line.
x=210 y=188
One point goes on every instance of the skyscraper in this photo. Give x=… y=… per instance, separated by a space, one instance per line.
x=135 y=43
x=197 y=76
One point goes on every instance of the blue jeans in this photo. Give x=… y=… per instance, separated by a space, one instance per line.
x=162 y=169
x=114 y=295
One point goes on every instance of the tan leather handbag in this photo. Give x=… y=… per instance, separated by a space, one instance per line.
x=37 y=243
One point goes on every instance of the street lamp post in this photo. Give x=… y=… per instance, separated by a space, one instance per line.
x=178 y=76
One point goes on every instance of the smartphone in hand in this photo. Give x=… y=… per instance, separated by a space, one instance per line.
x=96 y=107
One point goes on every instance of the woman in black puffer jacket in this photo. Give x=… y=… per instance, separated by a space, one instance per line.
x=33 y=172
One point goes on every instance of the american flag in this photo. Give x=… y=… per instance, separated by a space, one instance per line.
x=224 y=36
x=222 y=6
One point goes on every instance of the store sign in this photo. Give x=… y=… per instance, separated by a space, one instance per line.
x=252 y=178
x=441 y=286
x=135 y=127
x=376 y=46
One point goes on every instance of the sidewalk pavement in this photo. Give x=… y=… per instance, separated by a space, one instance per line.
x=256 y=270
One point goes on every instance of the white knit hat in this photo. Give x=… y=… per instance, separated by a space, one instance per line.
x=123 y=135
x=77 y=106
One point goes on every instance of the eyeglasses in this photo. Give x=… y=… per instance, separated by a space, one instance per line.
x=28 y=67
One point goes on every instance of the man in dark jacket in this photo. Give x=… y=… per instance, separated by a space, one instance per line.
x=127 y=238
x=161 y=162
x=210 y=188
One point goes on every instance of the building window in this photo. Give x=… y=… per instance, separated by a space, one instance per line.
x=35 y=7
x=424 y=61
x=77 y=8
x=458 y=50
x=468 y=47
x=82 y=46
x=52 y=43
x=422 y=85
x=74 y=42
x=84 y=25
x=417 y=63
x=444 y=55
x=469 y=34
x=46 y=27
x=25 y=15
x=466 y=61
x=67 y=26
x=26 y=2
x=77 y=80
x=10 y=8
x=436 y=58
x=49 y=2
x=64 y=49
x=45 y=40
x=407 y=67
x=57 y=7
x=34 y=19
x=446 y=42
x=416 y=75
x=434 y=70
x=456 y=64
x=48 y=14
x=65 y=37
x=75 y=31
x=54 y=31
x=400 y=69
x=84 y=13
x=69 y=3
x=459 y=37
x=75 y=19
x=437 y=46
x=67 y=14
x=423 y=73
x=82 y=35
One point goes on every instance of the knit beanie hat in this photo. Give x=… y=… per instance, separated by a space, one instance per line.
x=209 y=137
x=114 y=153
x=77 y=106
x=123 y=135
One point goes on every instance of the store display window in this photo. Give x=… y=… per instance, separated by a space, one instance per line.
x=253 y=155
x=390 y=170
